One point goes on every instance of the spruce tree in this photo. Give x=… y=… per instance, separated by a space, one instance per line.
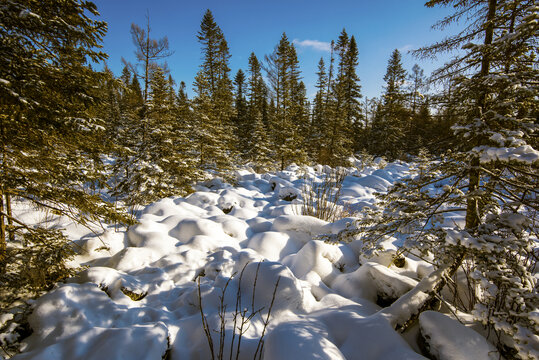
x=419 y=124
x=289 y=121
x=257 y=145
x=257 y=91
x=319 y=113
x=214 y=101
x=393 y=116
x=243 y=128
x=128 y=139
x=50 y=145
x=337 y=112
x=490 y=176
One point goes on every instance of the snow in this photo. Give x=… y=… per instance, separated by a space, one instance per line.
x=247 y=250
x=448 y=339
x=522 y=154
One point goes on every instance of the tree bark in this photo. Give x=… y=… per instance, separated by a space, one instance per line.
x=472 y=206
x=3 y=244
x=9 y=212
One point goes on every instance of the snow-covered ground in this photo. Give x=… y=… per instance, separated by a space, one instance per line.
x=255 y=261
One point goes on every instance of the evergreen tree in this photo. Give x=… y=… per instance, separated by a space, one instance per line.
x=128 y=138
x=109 y=109
x=320 y=112
x=352 y=91
x=213 y=105
x=257 y=145
x=184 y=112
x=259 y=149
x=337 y=115
x=50 y=146
x=257 y=91
x=491 y=176
x=419 y=126
x=243 y=128
x=289 y=120
x=417 y=83
x=393 y=116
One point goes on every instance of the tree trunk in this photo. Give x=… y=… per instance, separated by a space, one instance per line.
x=403 y=312
x=3 y=244
x=472 y=206
x=10 y=231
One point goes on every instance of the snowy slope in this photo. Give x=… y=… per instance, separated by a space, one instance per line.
x=247 y=251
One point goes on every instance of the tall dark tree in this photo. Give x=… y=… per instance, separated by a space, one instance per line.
x=241 y=122
x=319 y=112
x=289 y=121
x=258 y=149
x=214 y=101
x=257 y=91
x=419 y=125
x=389 y=129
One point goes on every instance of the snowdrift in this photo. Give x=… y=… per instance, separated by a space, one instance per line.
x=225 y=251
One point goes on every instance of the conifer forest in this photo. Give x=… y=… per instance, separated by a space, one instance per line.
x=144 y=217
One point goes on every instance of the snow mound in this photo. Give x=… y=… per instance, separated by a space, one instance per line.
x=245 y=250
x=448 y=339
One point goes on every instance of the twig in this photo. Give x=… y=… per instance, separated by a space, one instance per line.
x=236 y=311
x=261 y=341
x=205 y=321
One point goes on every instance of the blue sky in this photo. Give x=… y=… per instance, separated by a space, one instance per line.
x=256 y=26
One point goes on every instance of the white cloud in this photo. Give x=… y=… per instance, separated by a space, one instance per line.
x=406 y=48
x=314 y=44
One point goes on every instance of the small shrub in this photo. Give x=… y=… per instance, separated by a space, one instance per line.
x=320 y=199
x=242 y=317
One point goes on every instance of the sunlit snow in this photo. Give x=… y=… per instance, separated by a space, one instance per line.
x=139 y=297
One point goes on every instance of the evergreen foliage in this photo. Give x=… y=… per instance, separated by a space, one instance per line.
x=214 y=101
x=51 y=147
x=241 y=122
x=289 y=118
x=336 y=125
x=392 y=116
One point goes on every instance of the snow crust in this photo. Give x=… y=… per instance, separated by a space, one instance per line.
x=138 y=298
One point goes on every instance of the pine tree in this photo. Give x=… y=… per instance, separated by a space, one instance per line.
x=128 y=139
x=184 y=112
x=259 y=149
x=257 y=145
x=352 y=90
x=109 y=109
x=490 y=177
x=337 y=115
x=50 y=146
x=347 y=92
